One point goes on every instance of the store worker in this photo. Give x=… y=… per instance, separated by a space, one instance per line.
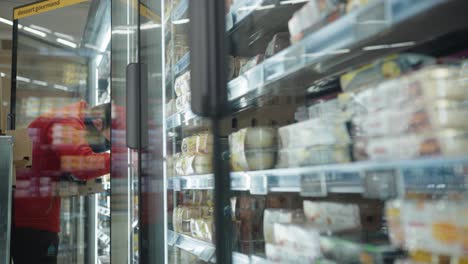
x=68 y=142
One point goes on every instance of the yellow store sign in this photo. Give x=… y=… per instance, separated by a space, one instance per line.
x=42 y=7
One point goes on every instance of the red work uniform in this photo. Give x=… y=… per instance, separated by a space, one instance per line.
x=59 y=147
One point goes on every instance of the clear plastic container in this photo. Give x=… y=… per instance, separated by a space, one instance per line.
x=313 y=132
x=418 y=117
x=429 y=84
x=198 y=144
x=446 y=143
x=260 y=159
x=316 y=155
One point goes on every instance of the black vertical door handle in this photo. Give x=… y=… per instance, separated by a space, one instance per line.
x=137 y=106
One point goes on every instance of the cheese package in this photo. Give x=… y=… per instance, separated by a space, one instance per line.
x=427 y=85
x=332 y=216
x=194 y=164
x=313 y=132
x=298 y=236
x=182 y=84
x=410 y=146
x=382 y=69
x=324 y=109
x=182 y=102
x=251 y=160
x=198 y=144
x=286 y=254
x=315 y=155
x=313 y=15
x=395 y=225
x=418 y=117
x=281 y=216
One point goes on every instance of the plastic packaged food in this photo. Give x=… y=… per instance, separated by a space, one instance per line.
x=182 y=84
x=252 y=138
x=325 y=109
x=187 y=214
x=202 y=229
x=417 y=117
x=280 y=216
x=395 y=225
x=261 y=159
x=201 y=144
x=311 y=16
x=429 y=84
x=285 y=254
x=409 y=146
x=171 y=107
x=183 y=102
x=313 y=132
x=194 y=164
x=332 y=216
x=299 y=236
x=386 y=68
x=316 y=155
x=279 y=42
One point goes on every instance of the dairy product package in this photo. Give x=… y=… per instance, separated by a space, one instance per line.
x=279 y=42
x=171 y=107
x=382 y=69
x=315 y=155
x=286 y=254
x=418 y=117
x=183 y=102
x=202 y=229
x=410 y=146
x=253 y=138
x=355 y=4
x=251 y=160
x=394 y=220
x=201 y=143
x=332 y=216
x=428 y=84
x=298 y=236
x=438 y=227
x=313 y=132
x=194 y=164
x=182 y=84
x=311 y=16
x=325 y=109
x=281 y=216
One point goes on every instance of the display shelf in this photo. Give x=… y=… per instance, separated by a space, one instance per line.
x=378 y=29
x=386 y=179
x=180 y=11
x=251 y=34
x=203 y=250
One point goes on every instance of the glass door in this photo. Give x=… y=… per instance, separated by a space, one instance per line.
x=339 y=127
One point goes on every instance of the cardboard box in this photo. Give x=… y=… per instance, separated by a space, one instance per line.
x=22 y=150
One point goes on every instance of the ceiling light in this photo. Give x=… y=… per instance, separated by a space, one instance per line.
x=23 y=79
x=2 y=74
x=65 y=36
x=35 y=32
x=60 y=87
x=149 y=26
x=6 y=21
x=41 y=29
x=181 y=21
x=67 y=43
x=41 y=83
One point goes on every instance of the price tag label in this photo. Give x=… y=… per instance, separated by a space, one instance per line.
x=314 y=185
x=177 y=185
x=380 y=184
x=259 y=184
x=172 y=238
x=207 y=253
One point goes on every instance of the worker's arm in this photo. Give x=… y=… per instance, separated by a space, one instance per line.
x=76 y=156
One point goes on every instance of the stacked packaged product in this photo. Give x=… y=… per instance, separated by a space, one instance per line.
x=253 y=149
x=323 y=139
x=196 y=156
x=182 y=90
x=432 y=231
x=418 y=114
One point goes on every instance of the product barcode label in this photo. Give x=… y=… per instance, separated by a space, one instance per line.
x=313 y=185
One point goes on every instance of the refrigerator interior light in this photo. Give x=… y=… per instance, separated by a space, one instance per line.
x=6 y=21
x=264 y=7
x=23 y=79
x=64 y=36
x=60 y=87
x=41 y=83
x=46 y=30
x=2 y=74
x=292 y=2
x=181 y=21
x=35 y=32
x=149 y=26
x=67 y=43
